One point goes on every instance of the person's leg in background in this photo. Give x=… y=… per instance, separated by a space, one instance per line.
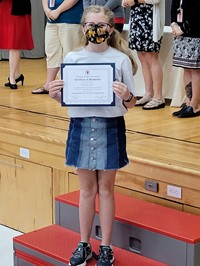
x=147 y=78
x=195 y=74
x=153 y=78
x=53 y=50
x=14 y=68
x=59 y=41
x=188 y=85
x=191 y=108
x=69 y=40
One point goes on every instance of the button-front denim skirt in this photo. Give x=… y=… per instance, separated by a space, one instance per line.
x=97 y=143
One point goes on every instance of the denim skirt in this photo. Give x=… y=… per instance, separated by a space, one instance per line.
x=96 y=143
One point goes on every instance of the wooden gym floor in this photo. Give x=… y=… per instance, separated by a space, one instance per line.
x=158 y=123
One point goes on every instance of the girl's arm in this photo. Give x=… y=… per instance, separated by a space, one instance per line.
x=121 y=90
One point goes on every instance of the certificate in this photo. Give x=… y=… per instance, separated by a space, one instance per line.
x=88 y=84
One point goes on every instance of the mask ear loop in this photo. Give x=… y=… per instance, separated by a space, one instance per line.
x=111 y=35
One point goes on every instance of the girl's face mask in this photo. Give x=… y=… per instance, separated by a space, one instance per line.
x=97 y=33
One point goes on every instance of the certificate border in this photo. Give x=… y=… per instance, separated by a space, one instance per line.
x=79 y=64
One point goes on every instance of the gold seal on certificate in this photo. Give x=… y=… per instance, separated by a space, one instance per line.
x=88 y=84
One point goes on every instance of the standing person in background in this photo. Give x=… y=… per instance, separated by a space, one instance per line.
x=147 y=18
x=96 y=144
x=16 y=35
x=115 y=6
x=61 y=35
x=185 y=18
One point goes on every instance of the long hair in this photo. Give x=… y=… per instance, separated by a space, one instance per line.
x=116 y=41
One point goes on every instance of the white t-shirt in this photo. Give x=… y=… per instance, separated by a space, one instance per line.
x=123 y=73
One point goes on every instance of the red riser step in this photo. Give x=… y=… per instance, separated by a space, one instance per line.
x=157 y=232
x=153 y=217
x=53 y=246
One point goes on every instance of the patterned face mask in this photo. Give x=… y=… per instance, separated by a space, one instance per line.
x=97 y=34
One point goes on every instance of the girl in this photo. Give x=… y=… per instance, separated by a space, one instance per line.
x=115 y=6
x=96 y=144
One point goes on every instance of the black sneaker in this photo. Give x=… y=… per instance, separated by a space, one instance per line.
x=106 y=257
x=81 y=255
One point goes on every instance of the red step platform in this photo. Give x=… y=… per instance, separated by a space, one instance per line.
x=154 y=231
x=159 y=219
x=53 y=245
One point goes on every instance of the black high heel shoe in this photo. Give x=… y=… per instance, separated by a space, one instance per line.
x=20 y=78
x=12 y=86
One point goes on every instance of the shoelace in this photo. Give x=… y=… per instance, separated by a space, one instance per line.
x=78 y=252
x=105 y=254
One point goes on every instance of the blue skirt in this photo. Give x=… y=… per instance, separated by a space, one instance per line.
x=97 y=143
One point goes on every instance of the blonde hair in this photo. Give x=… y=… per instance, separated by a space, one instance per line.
x=116 y=41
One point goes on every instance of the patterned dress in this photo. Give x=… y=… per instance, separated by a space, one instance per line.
x=186 y=52
x=141 y=29
x=187 y=46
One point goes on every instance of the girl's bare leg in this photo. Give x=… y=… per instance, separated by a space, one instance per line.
x=88 y=192
x=106 y=180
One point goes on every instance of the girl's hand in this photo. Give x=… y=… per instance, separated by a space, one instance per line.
x=121 y=90
x=55 y=87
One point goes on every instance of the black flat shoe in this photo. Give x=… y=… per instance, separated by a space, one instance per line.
x=12 y=86
x=180 y=111
x=188 y=112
